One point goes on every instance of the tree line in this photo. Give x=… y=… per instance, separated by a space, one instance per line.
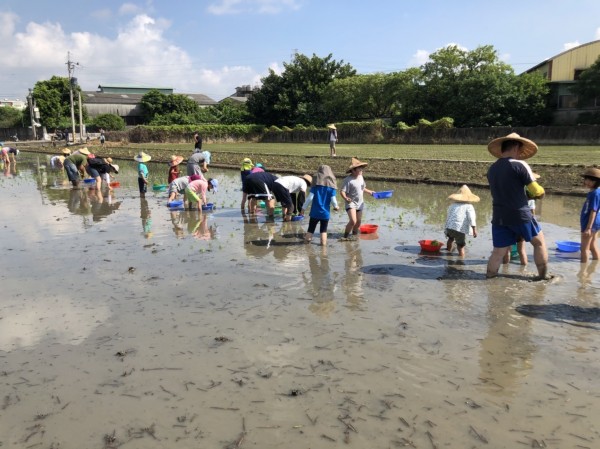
x=471 y=88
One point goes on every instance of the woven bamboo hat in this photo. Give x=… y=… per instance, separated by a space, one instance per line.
x=142 y=157
x=528 y=147
x=464 y=195
x=356 y=164
x=175 y=160
x=591 y=172
x=331 y=126
x=307 y=178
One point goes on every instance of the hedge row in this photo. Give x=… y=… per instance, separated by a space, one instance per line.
x=425 y=132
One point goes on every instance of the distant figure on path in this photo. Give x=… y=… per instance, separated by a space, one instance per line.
x=332 y=138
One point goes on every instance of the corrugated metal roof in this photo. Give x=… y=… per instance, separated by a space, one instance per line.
x=114 y=98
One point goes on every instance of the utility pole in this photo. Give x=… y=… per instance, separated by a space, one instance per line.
x=70 y=69
x=31 y=113
x=80 y=117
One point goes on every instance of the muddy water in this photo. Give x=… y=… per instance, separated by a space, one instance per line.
x=124 y=323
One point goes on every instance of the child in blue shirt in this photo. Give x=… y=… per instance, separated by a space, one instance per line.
x=590 y=219
x=142 y=172
x=322 y=195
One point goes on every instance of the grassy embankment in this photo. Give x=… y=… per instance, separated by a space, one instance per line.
x=559 y=166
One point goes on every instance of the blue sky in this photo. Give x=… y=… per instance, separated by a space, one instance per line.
x=213 y=46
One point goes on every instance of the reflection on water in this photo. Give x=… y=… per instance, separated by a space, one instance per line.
x=222 y=315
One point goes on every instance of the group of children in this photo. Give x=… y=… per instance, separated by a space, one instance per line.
x=193 y=185
x=461 y=220
x=461 y=216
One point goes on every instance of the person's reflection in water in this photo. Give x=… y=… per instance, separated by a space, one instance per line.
x=146 y=217
x=177 y=221
x=585 y=273
x=586 y=295
x=320 y=283
x=352 y=283
x=78 y=202
x=203 y=231
x=506 y=351
x=102 y=205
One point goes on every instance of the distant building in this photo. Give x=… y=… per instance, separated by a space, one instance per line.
x=241 y=94
x=562 y=72
x=17 y=104
x=124 y=101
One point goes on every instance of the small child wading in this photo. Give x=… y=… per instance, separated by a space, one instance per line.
x=143 y=173
x=352 y=192
x=590 y=220
x=322 y=195
x=461 y=219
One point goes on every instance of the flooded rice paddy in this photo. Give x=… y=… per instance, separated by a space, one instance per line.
x=125 y=324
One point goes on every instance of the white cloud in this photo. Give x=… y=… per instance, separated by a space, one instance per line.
x=223 y=7
x=419 y=58
x=597 y=35
x=570 y=45
x=8 y=23
x=139 y=54
x=130 y=9
x=276 y=68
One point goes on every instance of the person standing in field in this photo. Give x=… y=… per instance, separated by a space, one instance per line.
x=509 y=178
x=461 y=219
x=353 y=189
x=332 y=138
x=322 y=196
x=143 y=173
x=590 y=219
x=197 y=141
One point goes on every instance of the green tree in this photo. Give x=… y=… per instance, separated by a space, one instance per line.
x=230 y=112
x=588 y=86
x=296 y=96
x=370 y=96
x=475 y=88
x=109 y=122
x=175 y=109
x=264 y=106
x=10 y=117
x=152 y=104
x=53 y=100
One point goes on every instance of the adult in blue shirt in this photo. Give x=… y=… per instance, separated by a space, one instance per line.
x=509 y=178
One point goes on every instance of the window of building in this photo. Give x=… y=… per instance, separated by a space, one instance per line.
x=567 y=101
x=577 y=74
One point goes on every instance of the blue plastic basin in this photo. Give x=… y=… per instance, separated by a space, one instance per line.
x=382 y=195
x=567 y=246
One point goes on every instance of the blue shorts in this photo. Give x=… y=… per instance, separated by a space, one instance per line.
x=504 y=236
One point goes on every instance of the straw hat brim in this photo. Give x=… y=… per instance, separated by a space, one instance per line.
x=84 y=151
x=142 y=157
x=178 y=160
x=356 y=164
x=332 y=126
x=464 y=195
x=592 y=173
x=528 y=148
x=307 y=178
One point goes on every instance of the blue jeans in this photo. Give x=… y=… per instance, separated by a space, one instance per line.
x=72 y=172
